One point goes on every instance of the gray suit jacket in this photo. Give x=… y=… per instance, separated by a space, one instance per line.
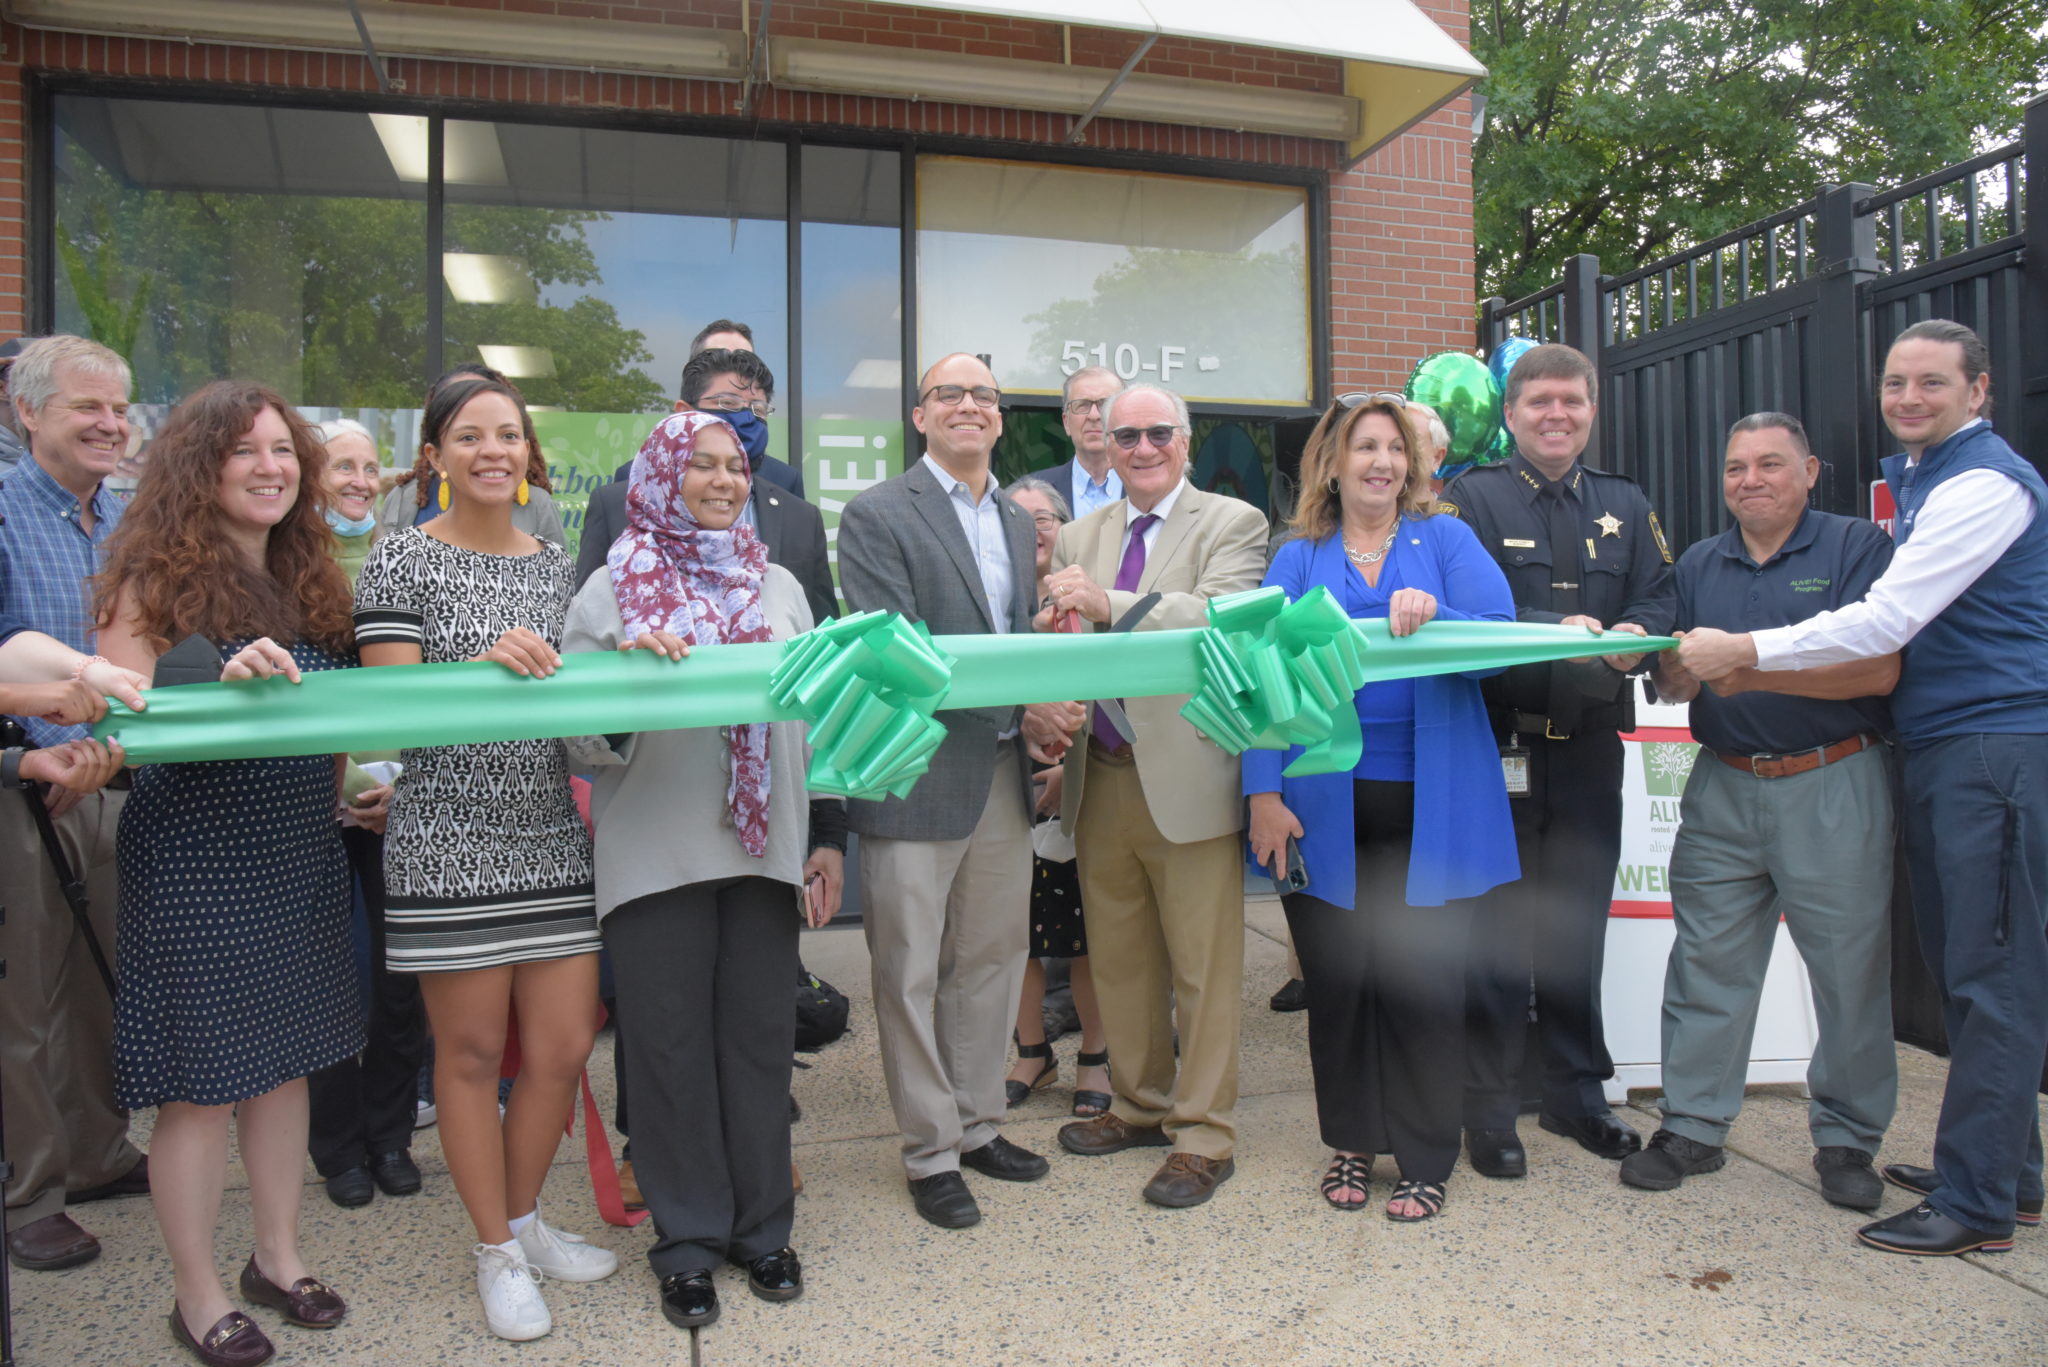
x=901 y=550
x=793 y=531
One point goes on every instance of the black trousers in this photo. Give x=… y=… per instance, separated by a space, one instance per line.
x=703 y=975
x=365 y=1105
x=1386 y=999
x=1550 y=928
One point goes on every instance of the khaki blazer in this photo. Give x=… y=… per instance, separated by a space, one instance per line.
x=1209 y=545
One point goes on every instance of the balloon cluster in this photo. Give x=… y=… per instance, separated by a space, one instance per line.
x=1466 y=393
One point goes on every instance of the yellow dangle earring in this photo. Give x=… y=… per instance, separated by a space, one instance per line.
x=442 y=496
x=523 y=494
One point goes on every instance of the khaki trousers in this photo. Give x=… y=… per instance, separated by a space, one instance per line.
x=947 y=925
x=64 y=1131
x=1166 y=946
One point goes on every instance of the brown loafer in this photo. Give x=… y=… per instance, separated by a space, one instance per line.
x=309 y=1304
x=1110 y=1133
x=234 y=1341
x=134 y=1182
x=50 y=1243
x=1188 y=1179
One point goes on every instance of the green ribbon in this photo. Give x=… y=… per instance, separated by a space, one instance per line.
x=1266 y=673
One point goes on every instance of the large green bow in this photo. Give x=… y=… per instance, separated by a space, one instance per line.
x=1276 y=674
x=867 y=685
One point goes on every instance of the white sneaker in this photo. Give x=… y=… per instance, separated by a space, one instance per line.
x=565 y=1257
x=512 y=1304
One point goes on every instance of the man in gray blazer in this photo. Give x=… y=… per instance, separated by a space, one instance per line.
x=946 y=872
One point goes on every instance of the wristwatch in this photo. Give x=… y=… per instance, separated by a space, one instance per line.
x=10 y=768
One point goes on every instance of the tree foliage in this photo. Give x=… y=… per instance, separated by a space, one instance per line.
x=1635 y=128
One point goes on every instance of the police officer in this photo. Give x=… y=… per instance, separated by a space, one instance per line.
x=1579 y=547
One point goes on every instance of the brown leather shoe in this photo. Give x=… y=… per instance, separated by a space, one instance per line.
x=134 y=1182
x=50 y=1243
x=1188 y=1179
x=233 y=1341
x=629 y=1187
x=1110 y=1133
x=309 y=1304
x=796 y=1179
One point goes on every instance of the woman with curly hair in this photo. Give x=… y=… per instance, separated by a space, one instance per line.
x=235 y=969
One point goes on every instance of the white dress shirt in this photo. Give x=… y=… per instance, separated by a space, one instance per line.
x=982 y=524
x=1958 y=533
x=1161 y=510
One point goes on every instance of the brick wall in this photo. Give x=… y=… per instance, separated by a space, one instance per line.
x=1401 y=223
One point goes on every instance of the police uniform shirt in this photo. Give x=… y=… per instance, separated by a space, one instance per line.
x=1826 y=562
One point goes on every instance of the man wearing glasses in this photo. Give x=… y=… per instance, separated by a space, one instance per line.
x=1156 y=815
x=1088 y=481
x=946 y=872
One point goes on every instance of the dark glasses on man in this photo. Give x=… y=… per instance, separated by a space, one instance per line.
x=1161 y=436
x=988 y=396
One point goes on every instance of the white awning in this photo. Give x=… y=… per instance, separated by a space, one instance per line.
x=1398 y=65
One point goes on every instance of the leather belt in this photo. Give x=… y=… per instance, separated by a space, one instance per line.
x=1530 y=725
x=1800 y=762
x=1120 y=755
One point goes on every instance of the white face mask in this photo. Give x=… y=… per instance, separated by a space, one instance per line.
x=350 y=527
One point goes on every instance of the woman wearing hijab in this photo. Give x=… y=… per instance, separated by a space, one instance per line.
x=708 y=855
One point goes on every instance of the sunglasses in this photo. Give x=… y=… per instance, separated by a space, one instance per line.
x=988 y=396
x=1160 y=436
x=1353 y=400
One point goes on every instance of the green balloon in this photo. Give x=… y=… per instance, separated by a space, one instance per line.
x=1464 y=394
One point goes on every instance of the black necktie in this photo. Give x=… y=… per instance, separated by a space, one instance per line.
x=1565 y=571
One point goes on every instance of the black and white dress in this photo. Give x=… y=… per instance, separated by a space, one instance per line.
x=486 y=861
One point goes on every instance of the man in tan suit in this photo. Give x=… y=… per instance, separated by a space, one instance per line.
x=1157 y=820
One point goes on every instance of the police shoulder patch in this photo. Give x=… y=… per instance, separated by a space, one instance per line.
x=1657 y=530
x=1447 y=507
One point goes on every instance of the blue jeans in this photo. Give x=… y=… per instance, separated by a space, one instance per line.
x=1976 y=819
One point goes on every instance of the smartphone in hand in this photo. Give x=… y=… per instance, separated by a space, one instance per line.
x=1293 y=874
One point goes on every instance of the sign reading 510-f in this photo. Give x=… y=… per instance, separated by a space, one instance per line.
x=1125 y=359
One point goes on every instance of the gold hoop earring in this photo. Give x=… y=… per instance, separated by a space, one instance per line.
x=441 y=496
x=523 y=493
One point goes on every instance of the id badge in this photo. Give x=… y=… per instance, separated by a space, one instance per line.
x=1514 y=769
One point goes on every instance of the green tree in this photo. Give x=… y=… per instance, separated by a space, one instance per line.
x=1635 y=128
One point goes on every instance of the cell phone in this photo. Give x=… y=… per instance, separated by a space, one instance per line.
x=1296 y=877
x=810 y=901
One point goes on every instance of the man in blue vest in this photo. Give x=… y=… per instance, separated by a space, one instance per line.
x=1967 y=597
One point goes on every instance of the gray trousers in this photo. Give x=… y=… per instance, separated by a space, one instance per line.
x=706 y=980
x=1816 y=849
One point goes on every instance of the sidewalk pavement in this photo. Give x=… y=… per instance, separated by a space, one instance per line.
x=1748 y=1265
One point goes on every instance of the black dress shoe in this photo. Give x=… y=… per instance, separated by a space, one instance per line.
x=776 y=1276
x=943 y=1199
x=1005 y=1162
x=1923 y=1181
x=351 y=1187
x=688 y=1299
x=1927 y=1233
x=1497 y=1153
x=1292 y=996
x=1605 y=1134
x=395 y=1172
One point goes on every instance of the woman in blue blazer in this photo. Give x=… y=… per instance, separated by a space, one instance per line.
x=1394 y=849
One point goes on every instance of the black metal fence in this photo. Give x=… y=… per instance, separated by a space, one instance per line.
x=1794 y=312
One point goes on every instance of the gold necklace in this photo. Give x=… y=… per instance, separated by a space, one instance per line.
x=1373 y=557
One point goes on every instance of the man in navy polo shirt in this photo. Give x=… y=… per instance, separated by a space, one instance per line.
x=1788 y=813
x=1968 y=589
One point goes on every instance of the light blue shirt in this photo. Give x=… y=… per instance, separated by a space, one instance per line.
x=1088 y=496
x=982 y=524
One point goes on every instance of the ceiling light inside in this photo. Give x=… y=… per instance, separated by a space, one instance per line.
x=474 y=278
x=875 y=374
x=470 y=154
x=520 y=362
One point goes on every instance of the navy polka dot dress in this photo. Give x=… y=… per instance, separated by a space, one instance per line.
x=233 y=937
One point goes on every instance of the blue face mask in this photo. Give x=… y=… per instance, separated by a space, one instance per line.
x=752 y=430
x=345 y=527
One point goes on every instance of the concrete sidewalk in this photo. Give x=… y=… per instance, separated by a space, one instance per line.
x=1748 y=1265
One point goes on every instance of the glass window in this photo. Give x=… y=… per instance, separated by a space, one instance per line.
x=1200 y=285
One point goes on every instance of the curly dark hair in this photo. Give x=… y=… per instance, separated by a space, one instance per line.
x=173 y=556
x=536 y=463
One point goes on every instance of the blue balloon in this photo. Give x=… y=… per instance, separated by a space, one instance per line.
x=1504 y=357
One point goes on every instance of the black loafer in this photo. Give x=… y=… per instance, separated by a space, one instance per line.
x=1605 y=1134
x=395 y=1173
x=1497 y=1153
x=1925 y=1232
x=351 y=1187
x=1923 y=1181
x=776 y=1276
x=943 y=1199
x=1005 y=1162
x=688 y=1299
x=1292 y=996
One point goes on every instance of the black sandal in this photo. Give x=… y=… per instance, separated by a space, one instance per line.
x=1088 y=1103
x=1016 y=1091
x=1428 y=1195
x=1349 y=1172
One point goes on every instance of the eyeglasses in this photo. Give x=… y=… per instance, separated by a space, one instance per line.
x=1075 y=408
x=1160 y=436
x=988 y=396
x=1048 y=520
x=728 y=403
x=1353 y=400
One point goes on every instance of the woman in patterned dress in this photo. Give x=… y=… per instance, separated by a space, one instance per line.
x=487 y=870
x=235 y=971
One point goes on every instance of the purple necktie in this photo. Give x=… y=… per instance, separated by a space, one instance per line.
x=1127 y=576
